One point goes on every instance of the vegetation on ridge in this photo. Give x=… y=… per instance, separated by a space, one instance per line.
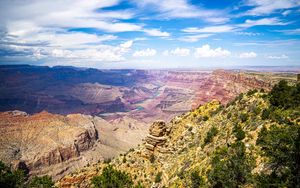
x=17 y=179
x=252 y=142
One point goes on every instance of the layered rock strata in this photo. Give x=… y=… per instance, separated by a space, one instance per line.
x=157 y=137
x=34 y=143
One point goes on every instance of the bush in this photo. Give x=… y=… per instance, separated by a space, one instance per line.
x=265 y=114
x=251 y=92
x=205 y=118
x=281 y=145
x=158 y=177
x=238 y=132
x=256 y=111
x=213 y=131
x=10 y=178
x=284 y=96
x=243 y=117
x=41 y=182
x=231 y=166
x=112 y=178
x=196 y=179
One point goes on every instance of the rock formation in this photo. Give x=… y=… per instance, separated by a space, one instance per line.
x=156 y=138
x=242 y=78
x=40 y=141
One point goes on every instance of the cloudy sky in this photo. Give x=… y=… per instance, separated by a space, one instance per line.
x=150 y=33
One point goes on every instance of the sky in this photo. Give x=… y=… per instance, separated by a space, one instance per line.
x=150 y=33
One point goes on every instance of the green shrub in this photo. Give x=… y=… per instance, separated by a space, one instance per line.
x=213 y=131
x=41 y=182
x=285 y=96
x=243 y=117
x=158 y=177
x=251 y=92
x=112 y=178
x=281 y=145
x=238 y=132
x=205 y=118
x=10 y=178
x=256 y=111
x=231 y=166
x=196 y=179
x=265 y=114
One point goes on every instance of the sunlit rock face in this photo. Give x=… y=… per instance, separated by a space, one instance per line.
x=43 y=140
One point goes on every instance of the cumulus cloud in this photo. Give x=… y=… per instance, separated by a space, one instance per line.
x=144 y=53
x=206 y=51
x=283 y=56
x=248 y=55
x=105 y=53
x=42 y=29
x=177 y=52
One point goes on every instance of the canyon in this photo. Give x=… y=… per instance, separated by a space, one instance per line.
x=57 y=120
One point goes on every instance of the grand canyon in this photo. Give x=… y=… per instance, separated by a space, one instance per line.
x=149 y=94
x=57 y=120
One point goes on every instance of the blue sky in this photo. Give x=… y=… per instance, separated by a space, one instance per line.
x=150 y=33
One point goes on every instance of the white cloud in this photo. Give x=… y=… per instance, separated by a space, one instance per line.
x=144 y=53
x=156 y=33
x=41 y=29
x=181 y=9
x=248 y=33
x=290 y=31
x=194 y=38
x=283 y=56
x=263 y=21
x=210 y=29
x=177 y=52
x=287 y=12
x=66 y=14
x=105 y=53
x=265 y=7
x=206 y=51
x=127 y=44
x=248 y=55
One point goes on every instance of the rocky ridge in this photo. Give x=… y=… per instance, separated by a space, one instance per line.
x=43 y=140
x=237 y=77
x=185 y=146
x=50 y=144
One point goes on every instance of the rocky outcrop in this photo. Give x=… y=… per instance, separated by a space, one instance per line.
x=39 y=141
x=236 y=77
x=156 y=138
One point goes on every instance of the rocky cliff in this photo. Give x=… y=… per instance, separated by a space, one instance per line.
x=242 y=78
x=188 y=143
x=44 y=140
x=55 y=145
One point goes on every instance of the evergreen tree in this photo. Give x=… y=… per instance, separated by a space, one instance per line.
x=231 y=166
x=41 y=182
x=281 y=146
x=112 y=178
